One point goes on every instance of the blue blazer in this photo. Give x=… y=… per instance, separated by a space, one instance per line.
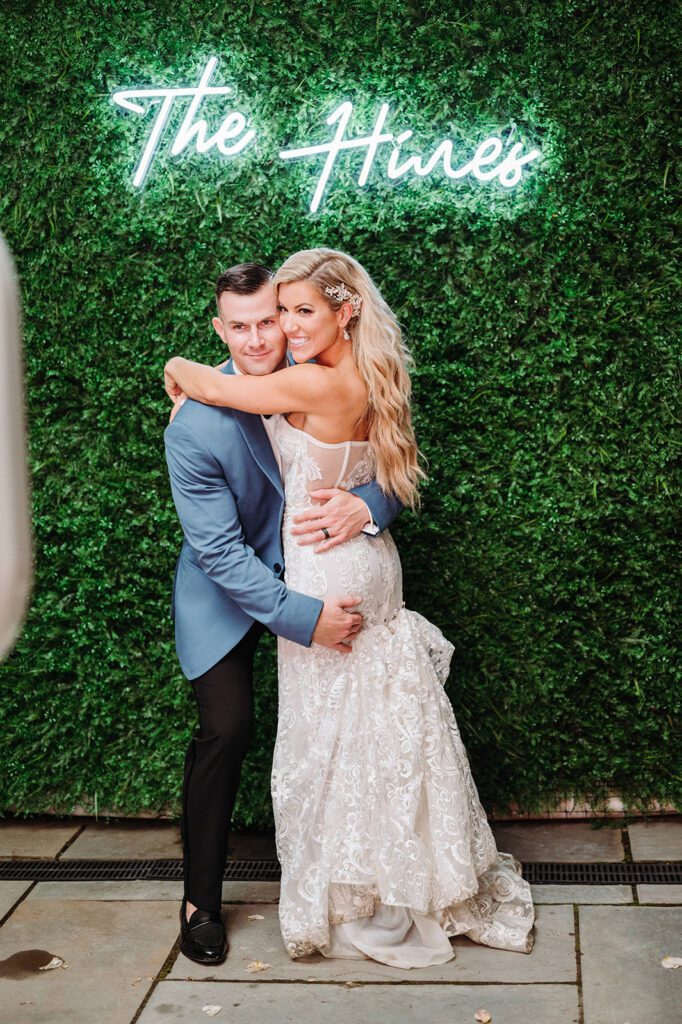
x=230 y=500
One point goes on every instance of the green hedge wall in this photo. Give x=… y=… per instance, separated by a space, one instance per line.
x=543 y=321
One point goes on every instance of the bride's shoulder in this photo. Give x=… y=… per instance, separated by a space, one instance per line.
x=333 y=384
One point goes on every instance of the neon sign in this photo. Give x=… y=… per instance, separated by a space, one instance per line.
x=234 y=127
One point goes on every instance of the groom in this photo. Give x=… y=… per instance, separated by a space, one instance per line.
x=228 y=586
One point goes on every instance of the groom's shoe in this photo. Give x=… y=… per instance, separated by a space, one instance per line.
x=202 y=938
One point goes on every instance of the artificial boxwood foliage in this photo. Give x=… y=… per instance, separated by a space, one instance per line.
x=544 y=322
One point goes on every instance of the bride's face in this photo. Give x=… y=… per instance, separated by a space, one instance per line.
x=309 y=322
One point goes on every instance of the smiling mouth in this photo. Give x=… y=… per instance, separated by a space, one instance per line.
x=298 y=342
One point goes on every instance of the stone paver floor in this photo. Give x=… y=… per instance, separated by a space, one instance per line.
x=596 y=959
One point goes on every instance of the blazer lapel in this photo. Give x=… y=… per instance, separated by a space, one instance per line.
x=257 y=440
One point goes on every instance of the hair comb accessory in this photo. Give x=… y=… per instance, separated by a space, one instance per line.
x=342 y=294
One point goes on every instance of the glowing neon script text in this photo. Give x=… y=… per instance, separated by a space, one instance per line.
x=232 y=126
x=232 y=137
x=508 y=171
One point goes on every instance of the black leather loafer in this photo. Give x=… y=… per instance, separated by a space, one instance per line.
x=203 y=937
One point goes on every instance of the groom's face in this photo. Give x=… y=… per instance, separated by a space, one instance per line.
x=249 y=326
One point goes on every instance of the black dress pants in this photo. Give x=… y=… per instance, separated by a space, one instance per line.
x=213 y=763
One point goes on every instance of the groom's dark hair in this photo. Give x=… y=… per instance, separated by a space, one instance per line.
x=244 y=279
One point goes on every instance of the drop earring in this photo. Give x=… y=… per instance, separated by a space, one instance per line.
x=346 y=335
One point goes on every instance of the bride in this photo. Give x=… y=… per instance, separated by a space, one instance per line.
x=385 y=849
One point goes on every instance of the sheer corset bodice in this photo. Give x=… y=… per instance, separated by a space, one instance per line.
x=310 y=464
x=365 y=567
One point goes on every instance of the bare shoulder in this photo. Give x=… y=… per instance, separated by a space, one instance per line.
x=334 y=381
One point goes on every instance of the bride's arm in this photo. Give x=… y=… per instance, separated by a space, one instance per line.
x=306 y=388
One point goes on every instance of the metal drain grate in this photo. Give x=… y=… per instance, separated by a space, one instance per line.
x=541 y=873
x=128 y=870
x=620 y=873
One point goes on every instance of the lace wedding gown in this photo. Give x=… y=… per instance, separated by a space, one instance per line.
x=384 y=845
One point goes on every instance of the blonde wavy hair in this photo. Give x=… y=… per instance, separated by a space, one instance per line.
x=382 y=359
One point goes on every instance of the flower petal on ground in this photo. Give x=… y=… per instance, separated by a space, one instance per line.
x=257 y=965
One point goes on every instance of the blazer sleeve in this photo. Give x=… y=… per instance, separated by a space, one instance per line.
x=383 y=507
x=210 y=521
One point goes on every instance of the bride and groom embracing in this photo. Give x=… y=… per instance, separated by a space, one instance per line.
x=287 y=465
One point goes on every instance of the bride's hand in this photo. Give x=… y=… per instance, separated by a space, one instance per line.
x=178 y=400
x=173 y=389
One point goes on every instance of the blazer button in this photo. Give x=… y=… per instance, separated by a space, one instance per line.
x=277 y=568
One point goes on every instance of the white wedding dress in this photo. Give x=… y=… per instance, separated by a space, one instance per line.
x=385 y=848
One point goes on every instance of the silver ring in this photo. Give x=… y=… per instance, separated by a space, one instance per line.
x=325 y=531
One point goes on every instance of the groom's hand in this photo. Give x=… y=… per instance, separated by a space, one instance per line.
x=338 y=624
x=343 y=515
